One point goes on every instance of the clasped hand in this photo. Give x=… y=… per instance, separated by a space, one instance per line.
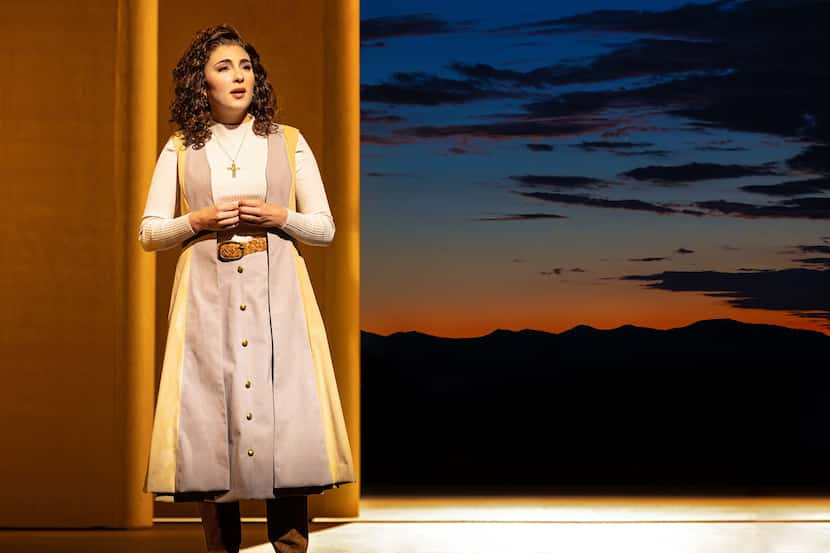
x=227 y=215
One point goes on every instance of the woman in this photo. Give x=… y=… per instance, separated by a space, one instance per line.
x=248 y=407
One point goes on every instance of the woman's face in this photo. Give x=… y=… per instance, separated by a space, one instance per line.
x=230 y=82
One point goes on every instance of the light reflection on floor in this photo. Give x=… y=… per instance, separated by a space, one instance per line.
x=582 y=509
x=472 y=537
x=498 y=524
x=581 y=525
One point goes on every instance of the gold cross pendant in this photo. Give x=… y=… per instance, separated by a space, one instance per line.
x=234 y=168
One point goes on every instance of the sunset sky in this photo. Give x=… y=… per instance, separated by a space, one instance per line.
x=548 y=164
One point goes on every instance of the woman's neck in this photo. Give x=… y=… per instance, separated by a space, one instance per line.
x=230 y=122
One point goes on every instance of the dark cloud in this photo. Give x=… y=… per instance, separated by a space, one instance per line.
x=755 y=70
x=558 y=181
x=571 y=104
x=518 y=128
x=689 y=20
x=791 y=188
x=814 y=159
x=455 y=150
x=691 y=172
x=428 y=90
x=647 y=259
x=539 y=147
x=409 y=25
x=625 y=130
x=813 y=248
x=378 y=174
x=721 y=149
x=573 y=113
x=621 y=148
x=591 y=146
x=800 y=291
x=642 y=153
x=711 y=100
x=377 y=116
x=575 y=199
x=522 y=217
x=647 y=56
x=555 y=271
x=684 y=251
x=747 y=20
x=384 y=140
x=762 y=78
x=797 y=208
x=825 y=261
x=578 y=270
x=742 y=102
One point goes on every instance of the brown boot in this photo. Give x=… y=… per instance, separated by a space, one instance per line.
x=222 y=526
x=288 y=523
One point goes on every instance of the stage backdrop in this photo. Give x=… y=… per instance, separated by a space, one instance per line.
x=596 y=243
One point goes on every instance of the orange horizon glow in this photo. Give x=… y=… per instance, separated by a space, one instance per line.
x=661 y=315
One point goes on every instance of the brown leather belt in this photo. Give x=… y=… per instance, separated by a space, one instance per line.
x=229 y=250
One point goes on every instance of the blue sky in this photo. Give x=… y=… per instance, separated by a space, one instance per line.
x=632 y=167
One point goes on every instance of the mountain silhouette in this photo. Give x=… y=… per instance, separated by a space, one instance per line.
x=715 y=403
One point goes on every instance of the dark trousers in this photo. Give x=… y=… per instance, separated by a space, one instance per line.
x=287 y=525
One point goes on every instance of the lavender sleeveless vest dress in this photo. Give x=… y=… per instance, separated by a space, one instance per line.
x=248 y=406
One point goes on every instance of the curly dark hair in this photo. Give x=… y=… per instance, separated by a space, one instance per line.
x=190 y=110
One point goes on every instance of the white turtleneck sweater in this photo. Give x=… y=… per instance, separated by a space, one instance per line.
x=312 y=223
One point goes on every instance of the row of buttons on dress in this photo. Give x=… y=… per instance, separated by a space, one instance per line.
x=243 y=307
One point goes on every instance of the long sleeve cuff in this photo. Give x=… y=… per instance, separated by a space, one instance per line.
x=161 y=233
x=316 y=229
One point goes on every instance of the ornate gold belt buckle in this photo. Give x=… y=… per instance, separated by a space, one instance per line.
x=230 y=251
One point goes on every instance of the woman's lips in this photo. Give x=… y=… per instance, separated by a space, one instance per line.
x=238 y=94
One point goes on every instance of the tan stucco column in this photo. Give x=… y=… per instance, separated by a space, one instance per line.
x=76 y=347
x=340 y=293
x=135 y=145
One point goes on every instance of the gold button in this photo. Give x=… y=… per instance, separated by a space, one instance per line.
x=239 y=269
x=249 y=416
x=247 y=383
x=250 y=452
x=244 y=343
x=243 y=307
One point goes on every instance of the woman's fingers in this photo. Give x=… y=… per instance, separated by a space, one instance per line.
x=227 y=206
x=228 y=221
x=250 y=214
x=226 y=214
x=251 y=202
x=249 y=210
x=250 y=218
x=229 y=214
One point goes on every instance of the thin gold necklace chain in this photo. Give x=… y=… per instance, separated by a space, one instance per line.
x=233 y=159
